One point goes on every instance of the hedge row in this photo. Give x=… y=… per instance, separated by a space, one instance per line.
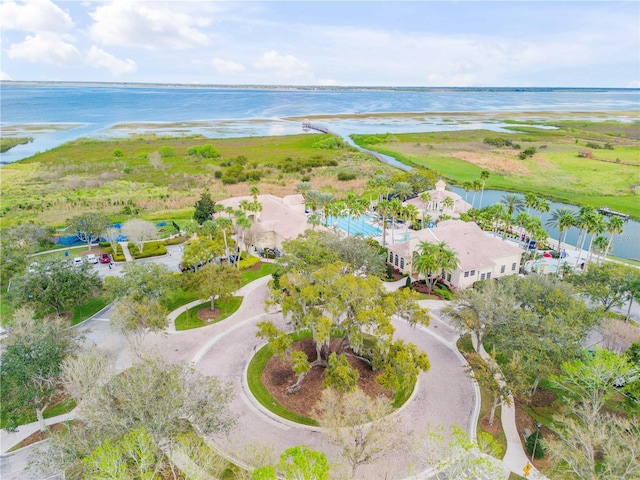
x=149 y=249
x=248 y=262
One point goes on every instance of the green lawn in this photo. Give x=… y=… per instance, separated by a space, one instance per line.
x=254 y=374
x=60 y=408
x=89 y=308
x=465 y=346
x=80 y=312
x=248 y=276
x=189 y=319
x=610 y=178
x=177 y=298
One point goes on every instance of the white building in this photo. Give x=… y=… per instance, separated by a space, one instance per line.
x=280 y=219
x=435 y=207
x=480 y=256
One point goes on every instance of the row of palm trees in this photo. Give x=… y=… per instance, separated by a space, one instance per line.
x=477 y=186
x=391 y=211
x=587 y=220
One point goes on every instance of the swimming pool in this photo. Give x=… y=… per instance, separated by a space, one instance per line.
x=355 y=226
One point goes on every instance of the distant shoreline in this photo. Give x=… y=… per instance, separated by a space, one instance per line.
x=311 y=87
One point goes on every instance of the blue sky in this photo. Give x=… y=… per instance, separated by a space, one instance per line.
x=372 y=43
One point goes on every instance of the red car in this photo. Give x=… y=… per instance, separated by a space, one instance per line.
x=105 y=258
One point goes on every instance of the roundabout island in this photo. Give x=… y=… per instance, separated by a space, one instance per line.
x=443 y=396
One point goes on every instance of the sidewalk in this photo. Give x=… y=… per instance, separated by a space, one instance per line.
x=125 y=250
x=514 y=458
x=241 y=292
x=10 y=440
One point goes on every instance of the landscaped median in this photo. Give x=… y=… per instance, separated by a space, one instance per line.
x=201 y=315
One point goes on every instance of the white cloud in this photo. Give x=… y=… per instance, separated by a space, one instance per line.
x=282 y=66
x=98 y=58
x=634 y=84
x=46 y=47
x=150 y=25
x=34 y=16
x=227 y=67
x=4 y=76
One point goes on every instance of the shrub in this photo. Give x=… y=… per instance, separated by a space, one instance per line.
x=608 y=146
x=149 y=249
x=343 y=176
x=204 y=151
x=118 y=255
x=443 y=292
x=217 y=174
x=175 y=240
x=593 y=145
x=249 y=262
x=328 y=142
x=118 y=153
x=167 y=152
x=535 y=441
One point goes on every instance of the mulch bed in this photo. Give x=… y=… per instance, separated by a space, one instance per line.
x=208 y=315
x=494 y=429
x=277 y=376
x=254 y=267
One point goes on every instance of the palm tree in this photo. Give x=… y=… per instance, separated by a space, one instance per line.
x=477 y=185
x=496 y=214
x=255 y=191
x=596 y=226
x=243 y=224
x=523 y=220
x=466 y=186
x=312 y=200
x=403 y=190
x=582 y=222
x=396 y=208
x=562 y=219
x=384 y=208
x=600 y=245
x=324 y=202
x=425 y=198
x=530 y=201
x=434 y=259
x=542 y=206
x=410 y=216
x=303 y=188
x=448 y=203
x=484 y=176
x=513 y=202
x=615 y=225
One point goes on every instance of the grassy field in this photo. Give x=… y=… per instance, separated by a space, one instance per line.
x=611 y=178
x=127 y=177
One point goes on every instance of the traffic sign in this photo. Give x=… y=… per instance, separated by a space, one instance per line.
x=527 y=469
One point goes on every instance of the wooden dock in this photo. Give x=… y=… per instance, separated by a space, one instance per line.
x=612 y=213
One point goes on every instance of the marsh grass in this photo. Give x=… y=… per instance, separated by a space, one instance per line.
x=86 y=176
x=610 y=179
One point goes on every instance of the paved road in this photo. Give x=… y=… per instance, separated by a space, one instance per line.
x=444 y=395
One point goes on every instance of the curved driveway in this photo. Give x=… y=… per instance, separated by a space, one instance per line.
x=444 y=395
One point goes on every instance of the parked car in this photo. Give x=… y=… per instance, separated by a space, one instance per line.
x=91 y=258
x=77 y=261
x=105 y=258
